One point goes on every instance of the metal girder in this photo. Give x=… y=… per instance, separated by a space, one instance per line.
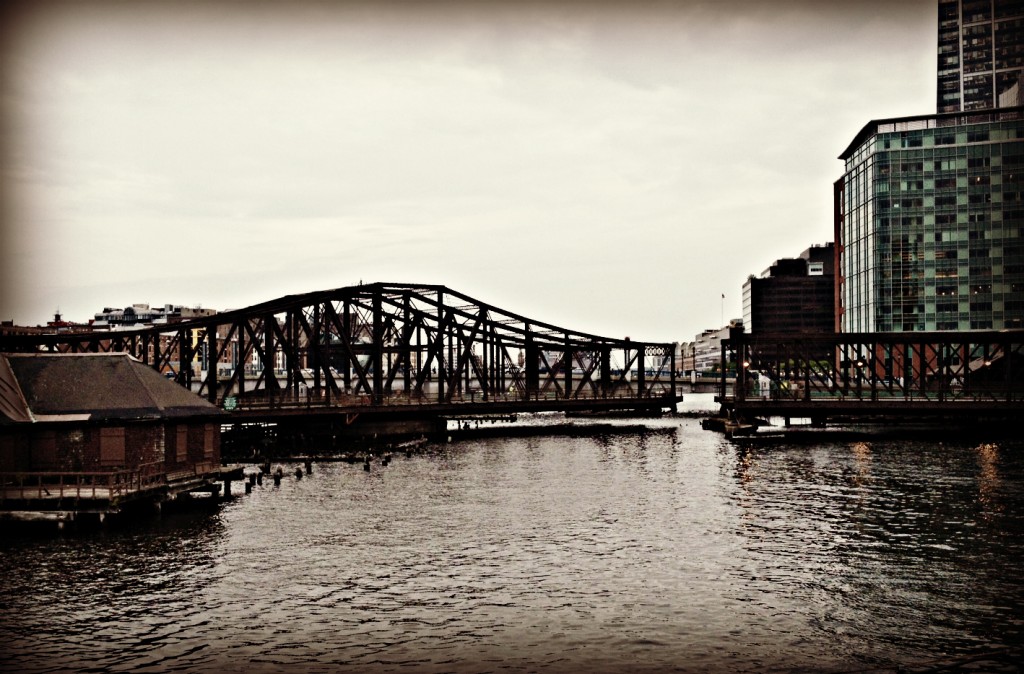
x=883 y=368
x=381 y=344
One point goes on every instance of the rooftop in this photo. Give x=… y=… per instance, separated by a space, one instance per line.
x=934 y=121
x=83 y=387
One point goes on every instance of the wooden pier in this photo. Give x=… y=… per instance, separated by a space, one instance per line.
x=65 y=495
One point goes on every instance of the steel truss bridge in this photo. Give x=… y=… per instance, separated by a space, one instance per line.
x=387 y=349
x=973 y=374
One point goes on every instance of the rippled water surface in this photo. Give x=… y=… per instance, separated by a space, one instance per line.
x=668 y=549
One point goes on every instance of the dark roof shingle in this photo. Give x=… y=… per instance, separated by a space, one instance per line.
x=104 y=386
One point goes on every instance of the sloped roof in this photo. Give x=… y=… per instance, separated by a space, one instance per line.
x=13 y=407
x=94 y=386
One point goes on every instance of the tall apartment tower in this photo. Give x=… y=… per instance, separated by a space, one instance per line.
x=930 y=224
x=981 y=57
x=929 y=213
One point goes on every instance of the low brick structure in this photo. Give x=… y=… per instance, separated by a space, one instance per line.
x=103 y=421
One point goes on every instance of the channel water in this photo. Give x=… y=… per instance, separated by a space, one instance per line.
x=662 y=549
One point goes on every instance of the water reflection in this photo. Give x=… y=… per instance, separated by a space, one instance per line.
x=651 y=551
x=73 y=595
x=988 y=479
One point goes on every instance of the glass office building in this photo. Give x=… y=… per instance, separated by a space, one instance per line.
x=929 y=226
x=980 y=54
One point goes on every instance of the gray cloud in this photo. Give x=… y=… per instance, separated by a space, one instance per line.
x=610 y=167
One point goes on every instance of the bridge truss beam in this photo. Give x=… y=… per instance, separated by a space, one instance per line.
x=382 y=344
x=875 y=373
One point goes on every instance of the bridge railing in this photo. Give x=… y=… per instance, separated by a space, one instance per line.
x=58 y=485
x=796 y=389
x=937 y=367
x=311 y=398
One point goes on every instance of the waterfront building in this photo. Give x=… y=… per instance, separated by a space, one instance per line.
x=57 y=325
x=929 y=224
x=794 y=295
x=104 y=413
x=707 y=347
x=980 y=54
x=142 y=314
x=685 y=359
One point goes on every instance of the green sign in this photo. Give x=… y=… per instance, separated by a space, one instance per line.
x=230 y=403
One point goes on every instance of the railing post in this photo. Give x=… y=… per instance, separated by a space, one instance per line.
x=672 y=376
x=1007 y=358
x=406 y=356
x=807 y=375
x=606 y=370
x=721 y=383
x=378 y=347
x=568 y=368
x=532 y=364
x=239 y=360
x=439 y=348
x=641 y=370
x=739 y=387
x=184 y=356
x=211 y=364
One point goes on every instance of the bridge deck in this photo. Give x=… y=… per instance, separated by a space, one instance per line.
x=892 y=408
x=400 y=407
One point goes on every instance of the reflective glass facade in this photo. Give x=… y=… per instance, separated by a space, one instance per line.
x=929 y=224
x=980 y=54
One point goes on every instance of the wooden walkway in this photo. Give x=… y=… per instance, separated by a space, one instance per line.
x=100 y=491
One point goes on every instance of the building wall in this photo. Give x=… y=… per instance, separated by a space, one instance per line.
x=686 y=357
x=930 y=224
x=980 y=54
x=14 y=451
x=793 y=296
x=90 y=448
x=187 y=444
x=707 y=347
x=792 y=305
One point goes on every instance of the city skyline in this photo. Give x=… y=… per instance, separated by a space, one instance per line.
x=606 y=169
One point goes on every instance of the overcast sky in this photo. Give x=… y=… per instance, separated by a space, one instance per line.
x=611 y=168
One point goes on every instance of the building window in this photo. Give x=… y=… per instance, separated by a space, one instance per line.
x=181 y=444
x=112 y=447
x=44 y=450
x=208 y=440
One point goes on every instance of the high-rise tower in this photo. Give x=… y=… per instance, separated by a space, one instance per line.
x=930 y=210
x=930 y=224
x=981 y=54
